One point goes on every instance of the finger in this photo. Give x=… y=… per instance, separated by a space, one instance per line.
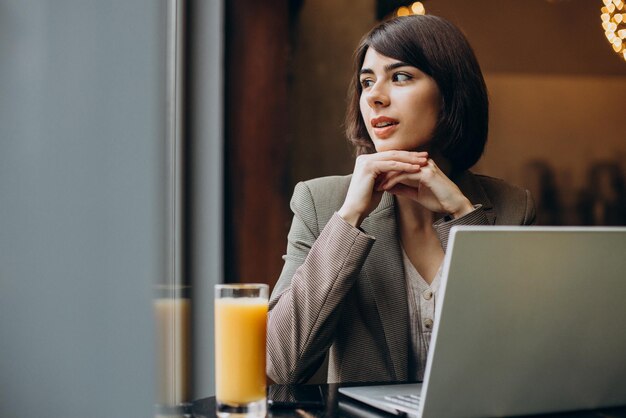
x=384 y=178
x=404 y=156
x=431 y=174
x=380 y=167
x=400 y=178
x=430 y=163
x=403 y=190
x=378 y=182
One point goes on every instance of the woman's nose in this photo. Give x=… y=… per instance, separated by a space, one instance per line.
x=377 y=96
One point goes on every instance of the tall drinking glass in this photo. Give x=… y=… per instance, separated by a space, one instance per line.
x=240 y=335
x=172 y=307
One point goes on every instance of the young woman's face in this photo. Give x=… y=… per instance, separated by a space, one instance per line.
x=399 y=103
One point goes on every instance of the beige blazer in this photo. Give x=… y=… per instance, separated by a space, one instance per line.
x=342 y=290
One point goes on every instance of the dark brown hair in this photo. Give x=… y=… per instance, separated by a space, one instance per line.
x=439 y=49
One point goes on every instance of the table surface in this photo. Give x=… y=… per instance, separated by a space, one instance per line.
x=338 y=405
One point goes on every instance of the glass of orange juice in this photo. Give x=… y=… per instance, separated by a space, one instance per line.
x=240 y=334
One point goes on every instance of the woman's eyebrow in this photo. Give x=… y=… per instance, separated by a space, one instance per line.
x=395 y=65
x=388 y=67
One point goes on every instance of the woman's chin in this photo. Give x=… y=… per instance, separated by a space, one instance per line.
x=390 y=146
x=401 y=145
x=397 y=147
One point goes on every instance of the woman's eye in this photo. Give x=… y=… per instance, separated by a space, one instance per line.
x=401 y=77
x=367 y=82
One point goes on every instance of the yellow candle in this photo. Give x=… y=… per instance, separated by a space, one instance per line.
x=240 y=334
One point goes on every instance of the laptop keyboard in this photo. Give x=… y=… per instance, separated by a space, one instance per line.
x=411 y=401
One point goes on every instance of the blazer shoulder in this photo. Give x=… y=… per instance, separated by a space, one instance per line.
x=497 y=188
x=513 y=204
x=329 y=190
x=325 y=194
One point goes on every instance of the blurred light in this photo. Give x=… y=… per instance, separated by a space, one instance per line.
x=403 y=11
x=614 y=25
x=417 y=8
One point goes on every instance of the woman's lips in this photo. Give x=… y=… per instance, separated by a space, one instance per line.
x=382 y=132
x=386 y=131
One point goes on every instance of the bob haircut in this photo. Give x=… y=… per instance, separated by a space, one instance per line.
x=439 y=49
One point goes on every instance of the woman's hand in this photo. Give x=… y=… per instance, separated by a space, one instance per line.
x=370 y=171
x=431 y=188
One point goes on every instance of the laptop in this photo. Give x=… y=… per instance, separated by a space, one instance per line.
x=529 y=320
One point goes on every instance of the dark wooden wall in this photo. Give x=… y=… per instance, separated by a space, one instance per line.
x=257 y=212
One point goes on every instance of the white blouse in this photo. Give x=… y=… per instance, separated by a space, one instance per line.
x=422 y=299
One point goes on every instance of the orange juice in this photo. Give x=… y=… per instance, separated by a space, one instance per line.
x=240 y=333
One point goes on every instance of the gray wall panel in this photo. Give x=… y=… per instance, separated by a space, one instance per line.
x=81 y=205
x=206 y=188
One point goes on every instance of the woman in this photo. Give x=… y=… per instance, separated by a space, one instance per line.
x=364 y=251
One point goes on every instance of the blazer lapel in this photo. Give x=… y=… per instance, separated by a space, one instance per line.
x=384 y=280
x=470 y=185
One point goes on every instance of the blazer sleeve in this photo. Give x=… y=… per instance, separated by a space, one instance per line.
x=445 y=224
x=305 y=305
x=519 y=209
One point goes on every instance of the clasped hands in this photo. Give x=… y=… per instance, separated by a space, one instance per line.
x=403 y=173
